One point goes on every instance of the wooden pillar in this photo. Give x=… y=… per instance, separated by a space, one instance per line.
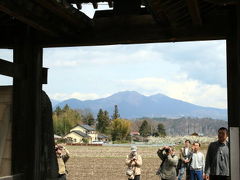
x=233 y=79
x=27 y=106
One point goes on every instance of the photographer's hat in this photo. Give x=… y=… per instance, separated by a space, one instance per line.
x=133 y=148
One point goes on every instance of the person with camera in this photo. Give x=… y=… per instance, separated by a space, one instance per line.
x=134 y=163
x=62 y=157
x=167 y=170
x=185 y=156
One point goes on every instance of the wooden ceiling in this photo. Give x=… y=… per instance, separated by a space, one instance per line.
x=61 y=22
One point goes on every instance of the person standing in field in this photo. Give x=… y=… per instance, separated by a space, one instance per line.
x=167 y=170
x=185 y=155
x=134 y=163
x=62 y=157
x=197 y=163
x=217 y=159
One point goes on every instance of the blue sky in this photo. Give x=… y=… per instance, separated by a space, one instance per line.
x=191 y=71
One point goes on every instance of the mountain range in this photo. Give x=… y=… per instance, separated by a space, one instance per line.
x=132 y=104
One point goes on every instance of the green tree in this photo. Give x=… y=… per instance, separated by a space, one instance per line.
x=145 y=129
x=64 y=119
x=66 y=108
x=103 y=121
x=120 y=129
x=87 y=117
x=161 y=129
x=116 y=114
x=58 y=110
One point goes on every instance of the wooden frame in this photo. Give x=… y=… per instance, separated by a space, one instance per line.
x=34 y=31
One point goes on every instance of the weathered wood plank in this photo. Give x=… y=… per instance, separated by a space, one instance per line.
x=6 y=129
x=13 y=177
x=5 y=124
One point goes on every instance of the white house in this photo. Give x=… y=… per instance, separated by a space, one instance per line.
x=76 y=136
x=81 y=131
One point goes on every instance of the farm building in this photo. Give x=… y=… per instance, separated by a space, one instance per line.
x=81 y=131
x=102 y=138
x=28 y=26
x=86 y=129
x=76 y=136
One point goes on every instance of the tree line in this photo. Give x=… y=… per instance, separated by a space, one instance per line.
x=115 y=127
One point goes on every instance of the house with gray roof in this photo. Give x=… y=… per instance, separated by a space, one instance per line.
x=82 y=132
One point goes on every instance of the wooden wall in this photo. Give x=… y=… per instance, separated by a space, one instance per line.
x=5 y=133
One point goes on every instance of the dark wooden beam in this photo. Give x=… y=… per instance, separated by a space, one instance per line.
x=21 y=13
x=18 y=70
x=233 y=70
x=69 y=14
x=126 y=7
x=95 y=4
x=223 y=2
x=233 y=93
x=194 y=11
x=27 y=108
x=110 y=3
x=141 y=29
x=44 y=76
x=10 y=69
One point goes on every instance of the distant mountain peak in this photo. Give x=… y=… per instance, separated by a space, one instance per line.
x=127 y=93
x=135 y=105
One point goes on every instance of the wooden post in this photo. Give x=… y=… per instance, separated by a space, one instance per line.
x=27 y=106
x=233 y=79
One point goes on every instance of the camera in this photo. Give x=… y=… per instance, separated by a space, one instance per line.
x=134 y=158
x=167 y=150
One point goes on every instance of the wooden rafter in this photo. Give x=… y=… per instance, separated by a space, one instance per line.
x=26 y=16
x=194 y=11
x=18 y=70
x=38 y=17
x=10 y=69
x=70 y=14
x=95 y=5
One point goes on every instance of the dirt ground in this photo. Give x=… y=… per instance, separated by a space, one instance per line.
x=107 y=163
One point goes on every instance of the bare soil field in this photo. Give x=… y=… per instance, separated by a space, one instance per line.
x=108 y=163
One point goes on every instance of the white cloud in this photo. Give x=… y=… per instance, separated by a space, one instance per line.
x=182 y=88
x=76 y=95
x=108 y=55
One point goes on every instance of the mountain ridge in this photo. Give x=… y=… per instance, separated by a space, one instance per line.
x=132 y=105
